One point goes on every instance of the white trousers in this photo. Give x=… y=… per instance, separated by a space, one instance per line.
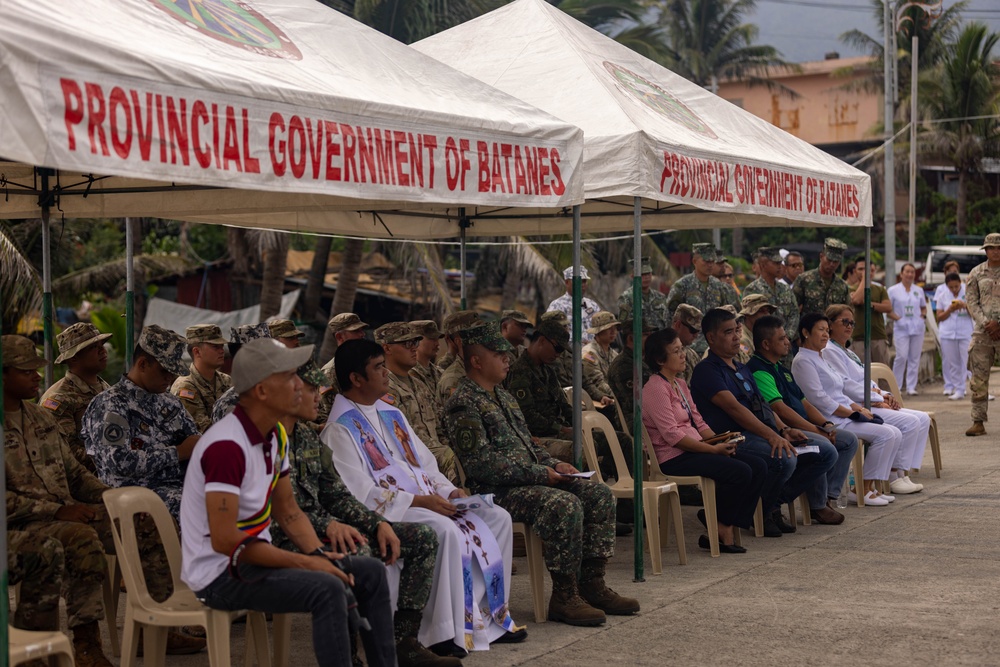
x=884 y=443
x=907 y=361
x=955 y=363
x=914 y=426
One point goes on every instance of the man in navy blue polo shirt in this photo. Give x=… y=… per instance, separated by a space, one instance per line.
x=777 y=386
x=728 y=400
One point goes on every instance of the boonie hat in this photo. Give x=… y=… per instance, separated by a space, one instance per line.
x=261 y=358
x=166 y=346
x=426 y=328
x=488 y=335
x=346 y=322
x=991 y=241
x=204 y=333
x=20 y=353
x=281 y=328
x=752 y=303
x=395 y=332
x=601 y=321
x=75 y=338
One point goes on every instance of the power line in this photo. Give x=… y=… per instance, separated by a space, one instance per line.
x=821 y=5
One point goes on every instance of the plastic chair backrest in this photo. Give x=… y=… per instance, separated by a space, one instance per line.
x=626 y=424
x=123 y=505
x=881 y=372
x=595 y=420
x=647 y=447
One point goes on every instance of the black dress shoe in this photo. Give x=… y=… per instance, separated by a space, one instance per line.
x=448 y=648
x=780 y=522
x=771 y=529
x=723 y=548
x=701 y=518
x=622 y=529
x=509 y=637
x=690 y=495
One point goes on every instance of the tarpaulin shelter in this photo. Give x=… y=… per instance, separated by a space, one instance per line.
x=659 y=150
x=182 y=109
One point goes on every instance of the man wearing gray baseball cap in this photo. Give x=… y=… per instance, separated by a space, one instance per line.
x=237 y=481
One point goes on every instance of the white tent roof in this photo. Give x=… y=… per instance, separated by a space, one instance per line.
x=650 y=133
x=191 y=109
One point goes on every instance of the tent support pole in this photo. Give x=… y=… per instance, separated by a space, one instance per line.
x=577 y=344
x=463 y=224
x=45 y=200
x=868 y=316
x=637 y=453
x=129 y=294
x=4 y=608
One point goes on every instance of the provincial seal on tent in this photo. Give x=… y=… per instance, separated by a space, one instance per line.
x=234 y=22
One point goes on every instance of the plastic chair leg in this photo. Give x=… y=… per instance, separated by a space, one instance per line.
x=217 y=634
x=673 y=501
x=257 y=639
x=805 y=509
x=935 y=447
x=859 y=475
x=651 y=511
x=112 y=589
x=154 y=645
x=281 y=628
x=758 y=520
x=130 y=639
x=711 y=514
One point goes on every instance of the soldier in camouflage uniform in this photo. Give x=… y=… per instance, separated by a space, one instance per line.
x=620 y=370
x=776 y=291
x=50 y=494
x=349 y=527
x=755 y=306
x=345 y=327
x=81 y=348
x=563 y=365
x=427 y=371
x=722 y=266
x=575 y=519
x=701 y=289
x=687 y=324
x=37 y=562
x=564 y=304
x=514 y=327
x=654 y=302
x=399 y=340
x=285 y=332
x=819 y=288
x=240 y=336
x=137 y=432
x=205 y=383
x=453 y=326
x=597 y=358
x=982 y=295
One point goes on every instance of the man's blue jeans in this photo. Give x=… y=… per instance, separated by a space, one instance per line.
x=779 y=469
x=828 y=486
x=809 y=469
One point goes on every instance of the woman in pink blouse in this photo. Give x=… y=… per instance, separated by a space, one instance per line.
x=677 y=432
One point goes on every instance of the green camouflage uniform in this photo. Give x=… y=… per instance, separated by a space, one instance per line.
x=575 y=520
x=655 y=310
x=814 y=294
x=323 y=497
x=419 y=405
x=596 y=364
x=703 y=296
x=620 y=380
x=198 y=395
x=781 y=296
x=982 y=294
x=68 y=400
x=37 y=562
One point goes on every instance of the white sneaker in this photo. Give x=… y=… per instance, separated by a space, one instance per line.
x=956 y=397
x=903 y=486
x=912 y=392
x=949 y=392
x=872 y=499
x=992 y=397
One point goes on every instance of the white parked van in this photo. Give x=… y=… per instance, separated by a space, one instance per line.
x=967 y=256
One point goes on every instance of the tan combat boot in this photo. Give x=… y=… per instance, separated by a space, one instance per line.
x=566 y=605
x=596 y=592
x=87 y=647
x=977 y=428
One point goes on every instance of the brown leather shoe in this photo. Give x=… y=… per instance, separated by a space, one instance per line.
x=977 y=428
x=827 y=516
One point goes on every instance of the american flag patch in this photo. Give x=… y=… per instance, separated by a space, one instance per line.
x=51 y=404
x=186 y=393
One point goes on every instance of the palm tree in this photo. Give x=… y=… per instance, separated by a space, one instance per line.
x=20 y=284
x=273 y=247
x=963 y=93
x=347 y=289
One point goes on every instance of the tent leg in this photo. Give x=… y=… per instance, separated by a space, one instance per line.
x=463 y=224
x=47 y=275
x=868 y=316
x=5 y=607
x=577 y=344
x=637 y=382
x=129 y=294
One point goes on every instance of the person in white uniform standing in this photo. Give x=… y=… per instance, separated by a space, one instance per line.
x=955 y=332
x=910 y=306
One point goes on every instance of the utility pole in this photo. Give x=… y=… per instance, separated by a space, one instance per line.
x=888 y=60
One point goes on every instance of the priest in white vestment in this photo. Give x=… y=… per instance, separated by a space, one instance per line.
x=387 y=467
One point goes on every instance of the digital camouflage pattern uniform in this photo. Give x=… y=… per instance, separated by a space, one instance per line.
x=132 y=434
x=780 y=295
x=225 y=404
x=564 y=305
x=198 y=395
x=702 y=295
x=240 y=335
x=620 y=380
x=654 y=303
x=813 y=293
x=982 y=294
x=68 y=400
x=323 y=497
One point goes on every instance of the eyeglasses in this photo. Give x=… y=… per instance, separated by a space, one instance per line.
x=727 y=275
x=796 y=265
x=694 y=330
x=846 y=322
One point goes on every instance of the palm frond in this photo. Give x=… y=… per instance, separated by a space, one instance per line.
x=20 y=284
x=440 y=292
x=525 y=260
x=109 y=276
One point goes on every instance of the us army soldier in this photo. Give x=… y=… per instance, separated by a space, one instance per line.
x=205 y=383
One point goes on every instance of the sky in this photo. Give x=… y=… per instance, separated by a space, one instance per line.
x=805 y=30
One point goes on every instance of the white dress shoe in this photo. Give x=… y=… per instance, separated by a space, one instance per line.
x=872 y=499
x=992 y=397
x=887 y=497
x=903 y=486
x=912 y=392
x=949 y=392
x=956 y=397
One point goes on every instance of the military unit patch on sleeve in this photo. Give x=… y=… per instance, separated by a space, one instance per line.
x=466 y=434
x=186 y=393
x=591 y=357
x=324 y=389
x=390 y=399
x=51 y=404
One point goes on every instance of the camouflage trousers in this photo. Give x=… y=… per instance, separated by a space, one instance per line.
x=575 y=520
x=982 y=353
x=36 y=562
x=83 y=549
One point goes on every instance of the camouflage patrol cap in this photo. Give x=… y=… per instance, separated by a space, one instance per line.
x=773 y=254
x=204 y=333
x=245 y=333
x=991 y=241
x=462 y=319
x=568 y=273
x=426 y=328
x=834 y=249
x=75 y=338
x=704 y=250
x=626 y=326
x=311 y=374
x=19 y=352
x=515 y=315
x=647 y=267
x=166 y=346
x=346 y=322
x=601 y=321
x=281 y=328
x=554 y=316
x=555 y=332
x=689 y=315
x=488 y=335
x=395 y=332
x=752 y=303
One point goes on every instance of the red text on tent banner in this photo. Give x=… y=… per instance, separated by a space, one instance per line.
x=724 y=184
x=164 y=132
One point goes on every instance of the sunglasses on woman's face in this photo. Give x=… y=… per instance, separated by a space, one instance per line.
x=847 y=323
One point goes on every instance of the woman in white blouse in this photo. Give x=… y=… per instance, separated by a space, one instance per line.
x=909 y=307
x=955 y=332
x=824 y=388
x=912 y=424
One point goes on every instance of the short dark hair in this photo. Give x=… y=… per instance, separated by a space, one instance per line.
x=765 y=328
x=952 y=276
x=654 y=352
x=810 y=320
x=353 y=357
x=714 y=319
x=795 y=253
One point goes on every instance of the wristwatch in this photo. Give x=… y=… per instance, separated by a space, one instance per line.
x=828 y=427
